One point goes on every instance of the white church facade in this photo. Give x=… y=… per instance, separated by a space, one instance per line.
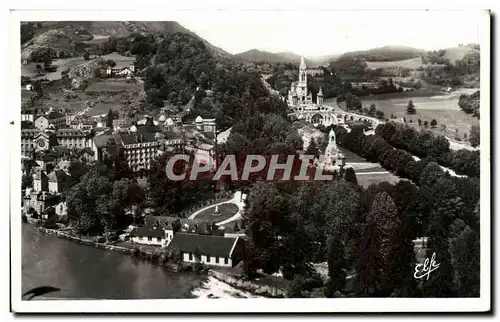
x=300 y=101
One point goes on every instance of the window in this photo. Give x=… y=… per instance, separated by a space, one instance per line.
x=150 y=238
x=140 y=238
x=208 y=259
x=158 y=239
x=226 y=261
x=190 y=256
x=217 y=260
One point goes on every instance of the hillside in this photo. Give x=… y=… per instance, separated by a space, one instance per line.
x=323 y=60
x=294 y=58
x=457 y=53
x=69 y=37
x=256 y=55
x=385 y=53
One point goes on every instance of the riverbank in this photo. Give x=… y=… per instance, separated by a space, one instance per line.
x=155 y=257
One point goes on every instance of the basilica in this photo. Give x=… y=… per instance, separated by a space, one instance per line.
x=298 y=93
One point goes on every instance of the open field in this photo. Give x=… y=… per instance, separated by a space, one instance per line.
x=366 y=180
x=412 y=63
x=121 y=61
x=98 y=39
x=116 y=86
x=29 y=70
x=430 y=104
x=444 y=108
x=102 y=109
x=226 y=210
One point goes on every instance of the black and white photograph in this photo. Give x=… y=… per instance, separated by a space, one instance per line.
x=263 y=159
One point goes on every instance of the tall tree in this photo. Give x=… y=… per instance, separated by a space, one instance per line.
x=109 y=119
x=466 y=261
x=474 y=135
x=350 y=176
x=441 y=281
x=386 y=257
x=337 y=266
x=410 y=108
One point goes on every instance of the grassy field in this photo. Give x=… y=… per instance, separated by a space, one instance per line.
x=412 y=63
x=121 y=61
x=102 y=109
x=116 y=86
x=29 y=70
x=366 y=180
x=429 y=105
x=98 y=39
x=443 y=108
x=226 y=210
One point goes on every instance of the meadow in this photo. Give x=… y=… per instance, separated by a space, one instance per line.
x=429 y=105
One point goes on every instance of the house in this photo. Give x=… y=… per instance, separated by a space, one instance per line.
x=52 y=118
x=58 y=181
x=42 y=122
x=209 y=249
x=40 y=181
x=160 y=230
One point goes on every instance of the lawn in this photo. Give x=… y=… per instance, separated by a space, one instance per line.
x=226 y=210
x=366 y=180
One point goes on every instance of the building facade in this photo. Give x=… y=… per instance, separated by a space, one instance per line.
x=298 y=93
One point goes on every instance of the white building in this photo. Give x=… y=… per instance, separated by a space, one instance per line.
x=331 y=151
x=298 y=93
x=209 y=249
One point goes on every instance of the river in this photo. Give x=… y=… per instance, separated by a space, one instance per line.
x=89 y=273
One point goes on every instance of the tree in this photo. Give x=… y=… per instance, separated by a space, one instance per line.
x=474 y=135
x=109 y=119
x=86 y=55
x=441 y=283
x=384 y=249
x=426 y=124
x=466 y=261
x=410 y=108
x=350 y=176
x=296 y=289
x=433 y=123
x=371 y=111
x=312 y=149
x=419 y=122
x=337 y=266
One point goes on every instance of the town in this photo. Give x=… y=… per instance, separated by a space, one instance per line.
x=161 y=146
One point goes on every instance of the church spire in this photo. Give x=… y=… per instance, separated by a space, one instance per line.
x=302 y=63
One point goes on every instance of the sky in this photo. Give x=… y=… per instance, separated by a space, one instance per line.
x=317 y=33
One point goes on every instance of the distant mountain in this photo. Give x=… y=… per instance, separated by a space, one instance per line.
x=323 y=60
x=256 y=55
x=385 y=53
x=294 y=58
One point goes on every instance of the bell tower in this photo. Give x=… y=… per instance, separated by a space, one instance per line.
x=302 y=79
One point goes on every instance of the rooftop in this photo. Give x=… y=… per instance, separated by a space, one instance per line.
x=206 y=244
